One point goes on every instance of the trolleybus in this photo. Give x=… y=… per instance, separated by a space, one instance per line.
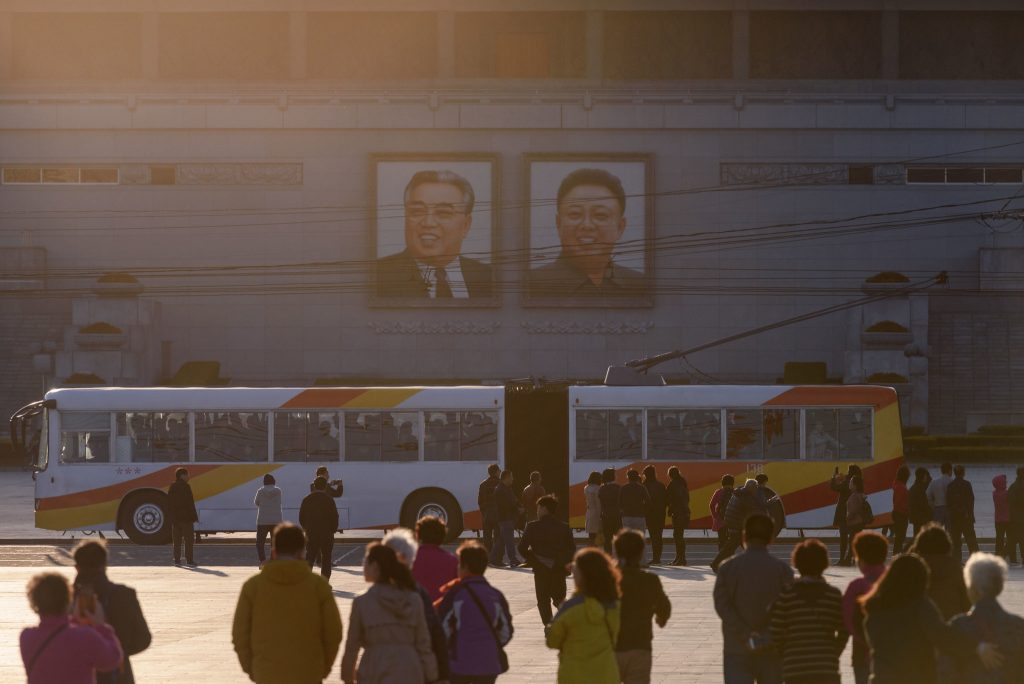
x=104 y=457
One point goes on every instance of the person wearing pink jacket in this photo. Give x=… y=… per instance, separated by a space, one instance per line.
x=719 y=502
x=66 y=648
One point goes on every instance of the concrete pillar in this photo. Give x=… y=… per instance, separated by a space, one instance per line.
x=151 y=46
x=446 y=44
x=890 y=43
x=595 y=45
x=297 y=45
x=741 y=44
x=6 y=46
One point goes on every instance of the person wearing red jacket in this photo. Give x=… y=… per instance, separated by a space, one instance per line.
x=900 y=509
x=1004 y=546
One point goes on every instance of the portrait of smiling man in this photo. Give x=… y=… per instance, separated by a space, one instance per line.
x=438 y=208
x=591 y=219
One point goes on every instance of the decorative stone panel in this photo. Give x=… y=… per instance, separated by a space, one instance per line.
x=599 y=328
x=736 y=173
x=425 y=328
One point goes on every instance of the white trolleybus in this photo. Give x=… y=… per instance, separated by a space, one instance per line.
x=105 y=457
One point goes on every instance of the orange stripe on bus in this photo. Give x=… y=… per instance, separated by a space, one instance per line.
x=825 y=397
x=323 y=397
x=159 y=479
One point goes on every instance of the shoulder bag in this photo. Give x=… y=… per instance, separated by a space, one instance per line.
x=42 y=647
x=502 y=656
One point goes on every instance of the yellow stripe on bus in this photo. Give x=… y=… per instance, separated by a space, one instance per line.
x=382 y=398
x=204 y=486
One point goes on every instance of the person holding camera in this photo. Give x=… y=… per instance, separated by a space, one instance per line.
x=66 y=647
x=334 y=487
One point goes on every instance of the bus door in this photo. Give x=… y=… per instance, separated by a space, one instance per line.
x=537 y=437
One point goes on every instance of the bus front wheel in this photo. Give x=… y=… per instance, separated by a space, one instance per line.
x=435 y=502
x=145 y=519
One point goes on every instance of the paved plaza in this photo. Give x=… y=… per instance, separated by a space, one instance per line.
x=190 y=610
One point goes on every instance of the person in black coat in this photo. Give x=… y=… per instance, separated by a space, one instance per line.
x=318 y=516
x=485 y=501
x=920 y=511
x=181 y=509
x=657 y=502
x=506 y=507
x=120 y=606
x=547 y=545
x=960 y=507
x=611 y=514
x=643 y=599
x=678 y=498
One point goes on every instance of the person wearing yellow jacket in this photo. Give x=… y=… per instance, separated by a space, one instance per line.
x=586 y=628
x=287 y=626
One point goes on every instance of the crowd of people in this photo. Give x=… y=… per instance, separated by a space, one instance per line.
x=431 y=616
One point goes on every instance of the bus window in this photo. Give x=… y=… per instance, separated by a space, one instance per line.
x=684 y=434
x=441 y=435
x=855 y=434
x=151 y=437
x=322 y=432
x=743 y=434
x=591 y=435
x=290 y=436
x=479 y=436
x=823 y=434
x=625 y=435
x=301 y=436
x=229 y=436
x=362 y=436
x=400 y=437
x=781 y=431
x=85 y=437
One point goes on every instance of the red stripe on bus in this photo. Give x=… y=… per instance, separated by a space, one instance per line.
x=323 y=397
x=159 y=479
x=826 y=397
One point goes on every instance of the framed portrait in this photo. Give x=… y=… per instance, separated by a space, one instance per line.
x=434 y=230
x=589 y=230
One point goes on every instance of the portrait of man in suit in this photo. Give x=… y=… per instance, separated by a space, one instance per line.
x=438 y=217
x=590 y=220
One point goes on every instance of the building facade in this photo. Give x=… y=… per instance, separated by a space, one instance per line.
x=216 y=181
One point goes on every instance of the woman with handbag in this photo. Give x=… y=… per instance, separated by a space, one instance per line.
x=66 y=647
x=476 y=620
x=389 y=625
x=586 y=628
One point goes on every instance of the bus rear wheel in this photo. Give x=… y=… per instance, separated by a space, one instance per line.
x=435 y=502
x=145 y=519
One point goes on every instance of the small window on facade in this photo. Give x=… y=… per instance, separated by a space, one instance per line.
x=1004 y=175
x=926 y=175
x=965 y=175
x=85 y=437
x=861 y=175
x=687 y=434
x=231 y=436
